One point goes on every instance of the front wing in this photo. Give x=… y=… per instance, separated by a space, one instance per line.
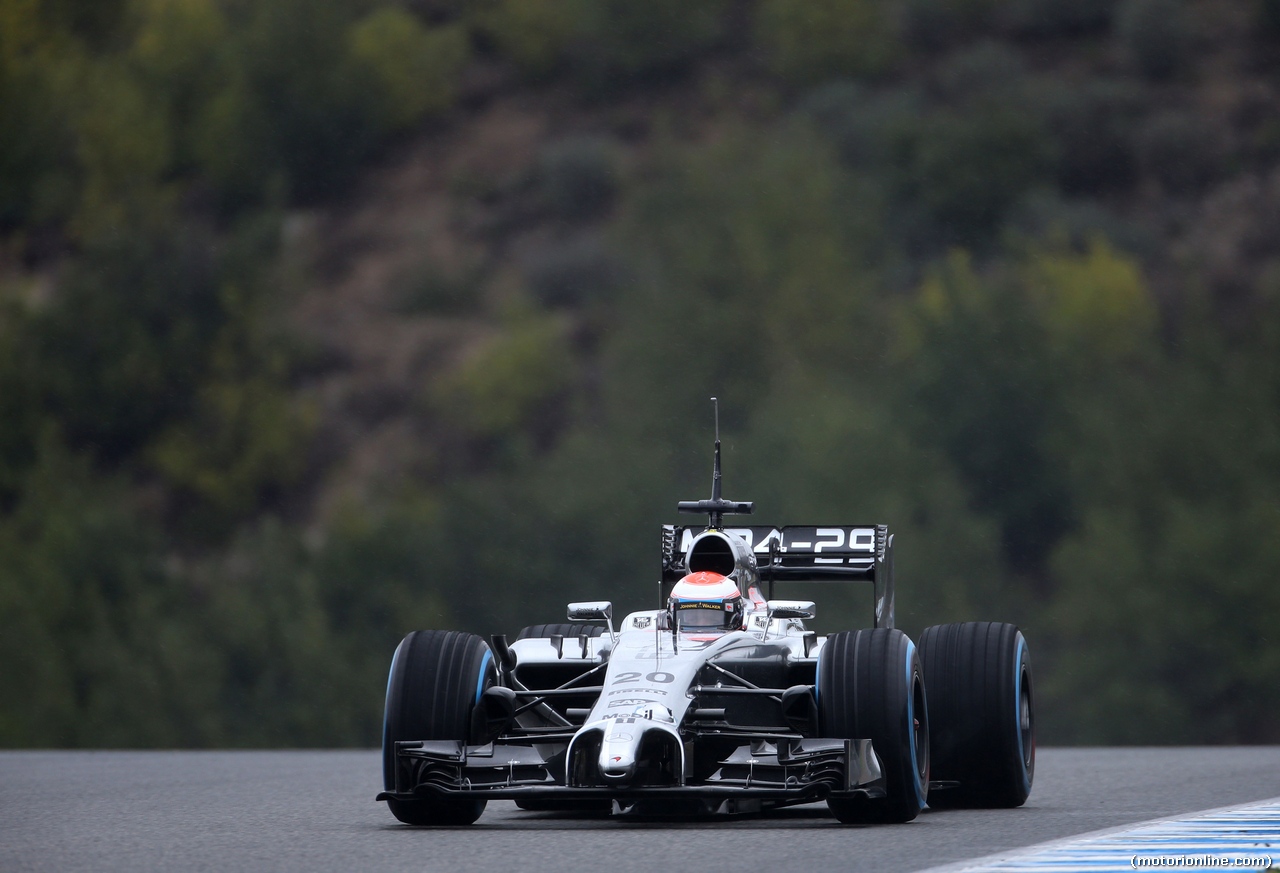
x=764 y=773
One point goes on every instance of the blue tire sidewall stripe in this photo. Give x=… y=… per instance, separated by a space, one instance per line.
x=391 y=675
x=386 y=707
x=817 y=680
x=911 y=722
x=484 y=664
x=1018 y=658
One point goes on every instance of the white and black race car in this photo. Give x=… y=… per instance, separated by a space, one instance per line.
x=670 y=714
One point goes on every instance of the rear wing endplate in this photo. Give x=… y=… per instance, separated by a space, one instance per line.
x=803 y=553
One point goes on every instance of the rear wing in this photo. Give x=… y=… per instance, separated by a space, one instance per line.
x=801 y=553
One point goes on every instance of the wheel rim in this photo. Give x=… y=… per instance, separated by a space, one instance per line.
x=1024 y=721
x=920 y=733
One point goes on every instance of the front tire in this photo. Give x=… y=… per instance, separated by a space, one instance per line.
x=436 y=679
x=980 y=697
x=871 y=686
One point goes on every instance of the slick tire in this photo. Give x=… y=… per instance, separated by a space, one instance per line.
x=542 y=631
x=436 y=679
x=870 y=685
x=983 y=718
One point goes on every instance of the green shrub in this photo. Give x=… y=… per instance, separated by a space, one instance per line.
x=1002 y=369
x=575 y=274
x=100 y=644
x=806 y=41
x=982 y=383
x=21 y=418
x=1181 y=151
x=933 y=25
x=125 y=146
x=413 y=70
x=507 y=386
x=297 y=663
x=954 y=164
x=1095 y=127
x=752 y=245
x=426 y=288
x=1044 y=215
x=868 y=128
x=38 y=74
x=988 y=72
x=98 y=24
x=1155 y=36
x=1175 y=524
x=537 y=35
x=176 y=48
x=244 y=443
x=1052 y=18
x=578 y=178
x=622 y=40
x=384 y=572
x=1094 y=306
x=292 y=119
x=966 y=170
x=178 y=54
x=605 y=43
x=118 y=353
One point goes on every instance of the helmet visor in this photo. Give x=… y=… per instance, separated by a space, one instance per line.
x=703 y=615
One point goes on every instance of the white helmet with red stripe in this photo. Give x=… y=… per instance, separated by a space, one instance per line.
x=706 y=602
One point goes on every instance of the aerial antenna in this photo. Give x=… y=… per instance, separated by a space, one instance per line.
x=715 y=464
x=717 y=507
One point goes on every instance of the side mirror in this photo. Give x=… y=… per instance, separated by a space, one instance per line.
x=791 y=609
x=591 y=610
x=664 y=621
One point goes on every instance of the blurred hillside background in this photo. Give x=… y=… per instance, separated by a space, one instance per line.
x=323 y=322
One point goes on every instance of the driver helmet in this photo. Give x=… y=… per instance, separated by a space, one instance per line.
x=706 y=602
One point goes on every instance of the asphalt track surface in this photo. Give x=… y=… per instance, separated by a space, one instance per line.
x=314 y=811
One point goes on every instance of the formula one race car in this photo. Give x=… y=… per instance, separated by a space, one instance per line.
x=720 y=702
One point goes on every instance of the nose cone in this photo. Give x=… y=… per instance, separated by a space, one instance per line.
x=618 y=753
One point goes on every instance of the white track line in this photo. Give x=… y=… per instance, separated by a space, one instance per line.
x=1245 y=831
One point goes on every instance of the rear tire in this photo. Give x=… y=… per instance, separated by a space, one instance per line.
x=871 y=686
x=981 y=702
x=542 y=631
x=436 y=679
